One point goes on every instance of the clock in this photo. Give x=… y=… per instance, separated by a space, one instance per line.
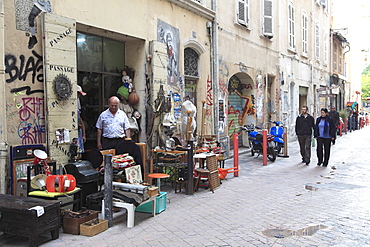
x=62 y=87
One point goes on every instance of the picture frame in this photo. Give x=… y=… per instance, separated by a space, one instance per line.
x=20 y=171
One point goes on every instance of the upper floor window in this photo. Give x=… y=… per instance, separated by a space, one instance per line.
x=291 y=26
x=326 y=47
x=304 y=33
x=267 y=19
x=317 y=41
x=191 y=59
x=242 y=12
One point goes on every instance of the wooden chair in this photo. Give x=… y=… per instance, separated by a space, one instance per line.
x=210 y=173
x=64 y=197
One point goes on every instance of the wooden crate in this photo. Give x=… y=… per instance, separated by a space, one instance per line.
x=93 y=227
x=72 y=225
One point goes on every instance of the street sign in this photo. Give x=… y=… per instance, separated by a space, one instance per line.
x=327 y=95
x=321 y=89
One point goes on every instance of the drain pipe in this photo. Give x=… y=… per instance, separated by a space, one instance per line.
x=3 y=135
x=215 y=71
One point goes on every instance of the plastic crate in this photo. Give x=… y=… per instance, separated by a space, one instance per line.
x=161 y=203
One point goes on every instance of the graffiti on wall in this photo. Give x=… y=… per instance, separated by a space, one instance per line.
x=25 y=115
x=32 y=117
x=20 y=69
x=171 y=37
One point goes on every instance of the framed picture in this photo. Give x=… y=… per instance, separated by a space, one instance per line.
x=133 y=174
x=20 y=172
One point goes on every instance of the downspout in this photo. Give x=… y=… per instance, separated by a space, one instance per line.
x=215 y=71
x=3 y=128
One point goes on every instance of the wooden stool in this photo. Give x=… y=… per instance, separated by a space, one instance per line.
x=158 y=176
x=203 y=172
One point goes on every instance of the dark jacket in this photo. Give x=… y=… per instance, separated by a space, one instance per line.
x=304 y=125
x=332 y=129
x=335 y=116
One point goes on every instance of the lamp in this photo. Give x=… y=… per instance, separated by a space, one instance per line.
x=40 y=158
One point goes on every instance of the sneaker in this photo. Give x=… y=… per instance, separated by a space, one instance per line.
x=32 y=42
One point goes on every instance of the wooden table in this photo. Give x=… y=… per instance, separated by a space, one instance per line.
x=17 y=218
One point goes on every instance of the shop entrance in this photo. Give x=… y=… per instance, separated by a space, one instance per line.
x=241 y=106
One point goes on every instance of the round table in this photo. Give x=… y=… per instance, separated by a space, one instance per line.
x=158 y=176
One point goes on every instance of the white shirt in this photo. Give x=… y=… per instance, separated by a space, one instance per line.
x=113 y=126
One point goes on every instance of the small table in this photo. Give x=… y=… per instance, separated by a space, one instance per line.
x=17 y=219
x=158 y=176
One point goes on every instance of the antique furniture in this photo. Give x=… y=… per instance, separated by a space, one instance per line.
x=18 y=218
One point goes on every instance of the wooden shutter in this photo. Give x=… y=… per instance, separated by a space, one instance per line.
x=267 y=18
x=60 y=66
x=317 y=41
x=242 y=11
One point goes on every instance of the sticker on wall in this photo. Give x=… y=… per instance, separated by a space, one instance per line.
x=62 y=135
x=177 y=105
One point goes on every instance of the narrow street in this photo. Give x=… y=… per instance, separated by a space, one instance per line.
x=285 y=203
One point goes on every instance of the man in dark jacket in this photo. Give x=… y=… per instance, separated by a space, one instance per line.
x=333 y=114
x=304 y=126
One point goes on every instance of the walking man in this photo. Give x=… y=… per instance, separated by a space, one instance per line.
x=304 y=126
x=113 y=126
x=333 y=114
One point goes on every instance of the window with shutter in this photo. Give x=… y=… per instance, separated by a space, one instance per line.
x=317 y=41
x=304 y=33
x=291 y=26
x=242 y=12
x=326 y=44
x=267 y=18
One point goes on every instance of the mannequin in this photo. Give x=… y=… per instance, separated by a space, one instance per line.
x=185 y=107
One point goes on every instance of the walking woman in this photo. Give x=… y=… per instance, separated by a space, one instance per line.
x=324 y=134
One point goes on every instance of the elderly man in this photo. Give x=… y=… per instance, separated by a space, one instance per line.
x=113 y=126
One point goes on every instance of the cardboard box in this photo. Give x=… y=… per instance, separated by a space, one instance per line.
x=72 y=225
x=93 y=227
x=153 y=191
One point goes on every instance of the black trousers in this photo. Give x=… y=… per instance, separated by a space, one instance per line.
x=111 y=143
x=323 y=150
x=305 y=147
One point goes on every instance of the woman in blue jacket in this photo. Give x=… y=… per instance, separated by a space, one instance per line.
x=324 y=134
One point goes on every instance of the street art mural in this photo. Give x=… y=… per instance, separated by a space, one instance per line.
x=171 y=37
x=26 y=13
x=24 y=77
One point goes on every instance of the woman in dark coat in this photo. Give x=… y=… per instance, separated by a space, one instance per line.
x=324 y=134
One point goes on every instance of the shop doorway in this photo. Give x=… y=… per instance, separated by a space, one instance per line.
x=241 y=106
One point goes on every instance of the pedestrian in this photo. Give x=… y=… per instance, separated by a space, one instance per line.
x=112 y=126
x=81 y=125
x=335 y=116
x=351 y=121
x=304 y=127
x=324 y=134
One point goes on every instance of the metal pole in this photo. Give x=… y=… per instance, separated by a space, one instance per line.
x=108 y=193
x=285 y=136
x=190 y=188
x=264 y=146
x=236 y=154
x=3 y=125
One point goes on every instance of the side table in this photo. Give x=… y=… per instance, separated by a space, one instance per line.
x=158 y=176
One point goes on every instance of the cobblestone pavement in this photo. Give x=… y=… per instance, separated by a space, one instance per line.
x=285 y=203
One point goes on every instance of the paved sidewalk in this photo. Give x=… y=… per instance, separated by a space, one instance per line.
x=285 y=203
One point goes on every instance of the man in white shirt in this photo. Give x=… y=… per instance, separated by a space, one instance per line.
x=112 y=126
